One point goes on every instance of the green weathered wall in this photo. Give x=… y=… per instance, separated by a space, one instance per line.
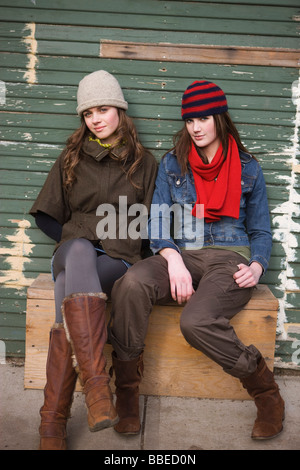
x=46 y=51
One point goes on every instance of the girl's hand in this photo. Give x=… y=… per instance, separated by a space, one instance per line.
x=181 y=284
x=248 y=276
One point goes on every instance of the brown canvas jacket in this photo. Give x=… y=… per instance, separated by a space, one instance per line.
x=100 y=179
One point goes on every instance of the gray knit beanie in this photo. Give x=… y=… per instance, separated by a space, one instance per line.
x=99 y=88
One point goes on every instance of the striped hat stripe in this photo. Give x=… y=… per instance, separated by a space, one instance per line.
x=206 y=99
x=202 y=89
x=191 y=96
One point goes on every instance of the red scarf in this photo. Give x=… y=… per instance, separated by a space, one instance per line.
x=218 y=184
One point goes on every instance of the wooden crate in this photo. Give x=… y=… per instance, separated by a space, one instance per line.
x=172 y=366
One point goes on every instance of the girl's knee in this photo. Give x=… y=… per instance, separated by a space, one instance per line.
x=186 y=326
x=128 y=284
x=192 y=326
x=60 y=279
x=81 y=247
x=138 y=274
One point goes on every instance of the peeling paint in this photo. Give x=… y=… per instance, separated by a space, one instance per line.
x=2 y=93
x=291 y=206
x=31 y=44
x=27 y=136
x=242 y=73
x=285 y=365
x=7 y=143
x=285 y=222
x=281 y=178
x=16 y=256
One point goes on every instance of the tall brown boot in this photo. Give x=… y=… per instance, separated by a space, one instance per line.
x=270 y=405
x=84 y=317
x=128 y=377
x=58 y=392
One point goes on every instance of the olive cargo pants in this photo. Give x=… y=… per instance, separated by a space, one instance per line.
x=205 y=317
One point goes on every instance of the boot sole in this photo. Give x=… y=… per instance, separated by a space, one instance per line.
x=131 y=433
x=267 y=437
x=106 y=423
x=128 y=433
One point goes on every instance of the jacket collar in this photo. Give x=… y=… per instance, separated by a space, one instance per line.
x=245 y=157
x=93 y=149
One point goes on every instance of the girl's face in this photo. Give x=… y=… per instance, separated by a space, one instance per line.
x=103 y=122
x=204 y=135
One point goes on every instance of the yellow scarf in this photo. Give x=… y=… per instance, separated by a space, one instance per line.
x=107 y=146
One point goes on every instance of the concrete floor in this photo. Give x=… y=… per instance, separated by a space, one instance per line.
x=168 y=423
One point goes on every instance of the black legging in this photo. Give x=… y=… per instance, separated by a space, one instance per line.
x=77 y=268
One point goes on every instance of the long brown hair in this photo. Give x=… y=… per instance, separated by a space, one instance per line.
x=224 y=127
x=131 y=150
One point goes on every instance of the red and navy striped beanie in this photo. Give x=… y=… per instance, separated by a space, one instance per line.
x=203 y=98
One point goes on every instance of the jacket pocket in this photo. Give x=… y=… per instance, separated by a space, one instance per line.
x=179 y=188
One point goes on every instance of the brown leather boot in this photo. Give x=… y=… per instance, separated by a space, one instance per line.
x=270 y=405
x=58 y=392
x=128 y=377
x=84 y=317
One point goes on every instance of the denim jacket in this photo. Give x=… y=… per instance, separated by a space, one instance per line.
x=172 y=226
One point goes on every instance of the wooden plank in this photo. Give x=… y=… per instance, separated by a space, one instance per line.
x=172 y=366
x=199 y=53
x=172 y=87
x=35 y=265
x=293 y=314
x=28 y=127
x=266 y=108
x=41 y=288
x=213 y=36
x=150 y=21
x=37 y=251
x=32 y=178
x=14 y=348
x=92 y=34
x=273 y=170
x=71 y=70
x=193 y=53
x=158 y=143
x=200 y=9
x=34 y=234
x=158 y=110
x=263 y=299
x=24 y=163
x=22 y=97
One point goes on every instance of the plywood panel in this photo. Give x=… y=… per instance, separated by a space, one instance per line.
x=200 y=53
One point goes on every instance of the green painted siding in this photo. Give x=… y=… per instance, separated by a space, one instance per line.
x=46 y=51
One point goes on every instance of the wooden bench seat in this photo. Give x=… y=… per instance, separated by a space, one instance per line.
x=172 y=366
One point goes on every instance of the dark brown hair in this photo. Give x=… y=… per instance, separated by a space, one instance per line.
x=126 y=132
x=224 y=127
